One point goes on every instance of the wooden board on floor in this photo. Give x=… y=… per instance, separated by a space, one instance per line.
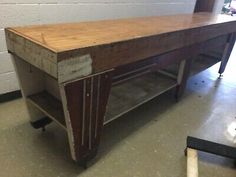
x=192 y=163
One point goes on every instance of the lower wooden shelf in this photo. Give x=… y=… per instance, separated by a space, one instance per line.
x=126 y=96
x=133 y=93
x=50 y=106
x=123 y=97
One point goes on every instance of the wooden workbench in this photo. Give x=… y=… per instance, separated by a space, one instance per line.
x=76 y=74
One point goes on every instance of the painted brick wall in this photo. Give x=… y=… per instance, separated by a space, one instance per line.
x=28 y=12
x=218 y=6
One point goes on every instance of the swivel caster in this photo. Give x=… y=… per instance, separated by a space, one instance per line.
x=84 y=164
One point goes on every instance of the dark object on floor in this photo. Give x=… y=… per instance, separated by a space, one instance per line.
x=195 y=144
x=41 y=123
x=10 y=96
x=211 y=147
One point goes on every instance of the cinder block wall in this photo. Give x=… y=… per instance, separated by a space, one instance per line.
x=218 y=6
x=28 y=12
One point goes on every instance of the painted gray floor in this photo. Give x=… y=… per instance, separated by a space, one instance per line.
x=148 y=141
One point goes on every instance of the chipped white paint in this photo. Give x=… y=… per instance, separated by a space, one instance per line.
x=74 y=67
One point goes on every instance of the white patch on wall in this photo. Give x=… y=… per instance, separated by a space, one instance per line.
x=3 y=46
x=8 y=82
x=6 y=64
x=218 y=6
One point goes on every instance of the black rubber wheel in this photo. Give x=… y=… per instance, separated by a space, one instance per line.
x=41 y=123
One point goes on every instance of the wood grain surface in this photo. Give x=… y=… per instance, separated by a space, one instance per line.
x=63 y=37
x=112 y=43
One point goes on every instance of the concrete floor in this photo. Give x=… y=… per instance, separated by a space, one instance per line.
x=148 y=141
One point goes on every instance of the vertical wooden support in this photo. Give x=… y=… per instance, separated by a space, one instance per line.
x=31 y=81
x=228 y=49
x=183 y=74
x=84 y=103
x=185 y=68
x=192 y=163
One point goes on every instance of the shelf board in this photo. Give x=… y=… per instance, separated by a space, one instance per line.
x=135 y=92
x=49 y=105
x=123 y=98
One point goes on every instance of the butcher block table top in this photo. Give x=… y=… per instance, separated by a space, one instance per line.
x=102 y=45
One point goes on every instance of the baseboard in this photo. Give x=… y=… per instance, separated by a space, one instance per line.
x=10 y=96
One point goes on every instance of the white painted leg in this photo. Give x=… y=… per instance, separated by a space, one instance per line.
x=181 y=71
x=31 y=81
x=183 y=75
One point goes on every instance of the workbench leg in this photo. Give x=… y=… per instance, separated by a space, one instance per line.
x=84 y=104
x=227 y=52
x=30 y=80
x=183 y=75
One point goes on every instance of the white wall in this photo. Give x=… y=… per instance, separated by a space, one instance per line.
x=28 y=12
x=218 y=6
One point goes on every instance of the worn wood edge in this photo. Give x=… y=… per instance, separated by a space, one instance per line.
x=199 y=29
x=192 y=163
x=84 y=77
x=108 y=59
x=29 y=38
x=68 y=122
x=32 y=53
x=74 y=67
x=52 y=68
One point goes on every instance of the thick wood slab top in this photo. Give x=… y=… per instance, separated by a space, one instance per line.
x=63 y=37
x=75 y=50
